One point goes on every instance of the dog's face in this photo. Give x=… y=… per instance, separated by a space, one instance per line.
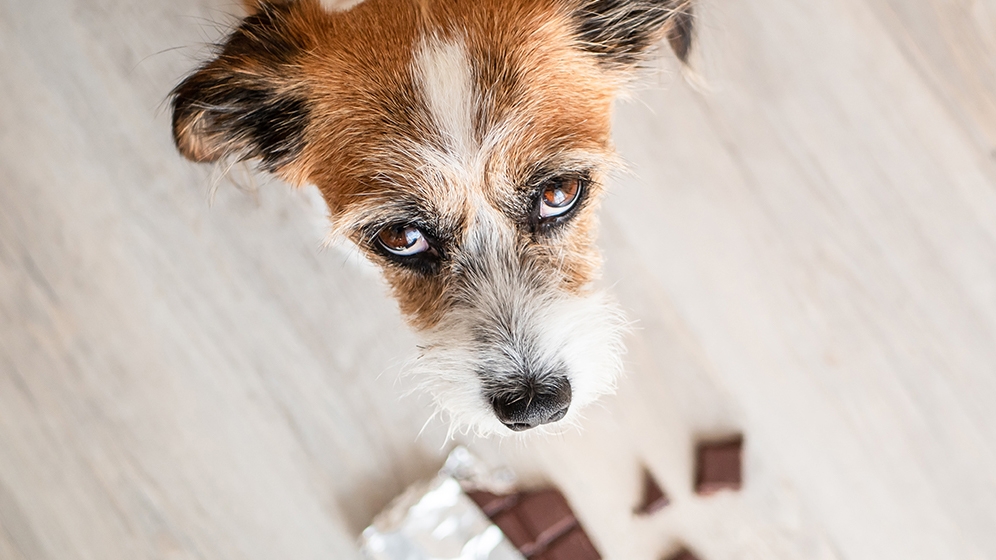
x=461 y=144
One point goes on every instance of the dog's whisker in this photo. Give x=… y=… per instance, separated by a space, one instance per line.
x=426 y=424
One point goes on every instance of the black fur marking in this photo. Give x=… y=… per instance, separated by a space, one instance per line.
x=232 y=104
x=621 y=31
x=251 y=119
x=262 y=37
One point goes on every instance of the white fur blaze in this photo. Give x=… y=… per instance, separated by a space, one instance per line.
x=442 y=70
x=339 y=5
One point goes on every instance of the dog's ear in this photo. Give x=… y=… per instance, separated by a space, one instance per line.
x=620 y=32
x=247 y=102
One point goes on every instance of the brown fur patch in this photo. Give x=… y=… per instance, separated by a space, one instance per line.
x=553 y=98
x=349 y=79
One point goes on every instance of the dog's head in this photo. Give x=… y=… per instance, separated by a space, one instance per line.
x=462 y=146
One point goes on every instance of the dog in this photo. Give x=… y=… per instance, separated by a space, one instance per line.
x=462 y=145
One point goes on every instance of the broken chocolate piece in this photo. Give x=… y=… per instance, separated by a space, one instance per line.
x=654 y=499
x=683 y=554
x=718 y=465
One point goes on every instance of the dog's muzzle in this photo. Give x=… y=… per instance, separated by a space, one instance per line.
x=530 y=403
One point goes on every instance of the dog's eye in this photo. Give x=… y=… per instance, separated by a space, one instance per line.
x=403 y=240
x=558 y=197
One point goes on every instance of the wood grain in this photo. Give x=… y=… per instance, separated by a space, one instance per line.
x=807 y=246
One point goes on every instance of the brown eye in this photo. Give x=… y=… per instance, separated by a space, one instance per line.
x=559 y=196
x=403 y=240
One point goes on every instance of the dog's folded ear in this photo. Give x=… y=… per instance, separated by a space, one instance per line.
x=246 y=103
x=620 y=32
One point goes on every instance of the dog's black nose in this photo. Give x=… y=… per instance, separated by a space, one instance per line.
x=533 y=404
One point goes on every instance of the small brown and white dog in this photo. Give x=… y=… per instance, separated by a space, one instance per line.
x=462 y=146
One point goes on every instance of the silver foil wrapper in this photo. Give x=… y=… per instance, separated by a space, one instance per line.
x=475 y=474
x=438 y=521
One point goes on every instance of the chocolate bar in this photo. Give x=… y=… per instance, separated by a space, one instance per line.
x=540 y=524
x=718 y=465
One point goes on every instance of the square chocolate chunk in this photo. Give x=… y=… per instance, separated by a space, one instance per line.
x=718 y=465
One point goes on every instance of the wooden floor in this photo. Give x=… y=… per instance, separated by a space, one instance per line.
x=808 y=244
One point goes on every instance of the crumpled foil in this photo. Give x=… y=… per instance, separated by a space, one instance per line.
x=438 y=521
x=475 y=474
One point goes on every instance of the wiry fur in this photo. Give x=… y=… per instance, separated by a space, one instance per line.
x=621 y=32
x=451 y=117
x=242 y=103
x=543 y=330
x=510 y=324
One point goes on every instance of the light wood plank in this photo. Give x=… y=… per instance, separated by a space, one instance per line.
x=807 y=248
